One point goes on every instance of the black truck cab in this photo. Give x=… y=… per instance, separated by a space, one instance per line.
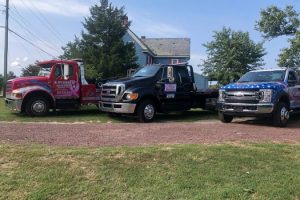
x=155 y=88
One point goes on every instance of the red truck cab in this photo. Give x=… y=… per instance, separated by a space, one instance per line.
x=60 y=84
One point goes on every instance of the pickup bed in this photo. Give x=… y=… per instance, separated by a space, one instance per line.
x=272 y=93
x=156 y=88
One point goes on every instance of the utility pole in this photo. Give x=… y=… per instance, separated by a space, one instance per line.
x=5 y=47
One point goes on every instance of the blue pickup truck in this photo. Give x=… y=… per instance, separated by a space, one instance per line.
x=262 y=93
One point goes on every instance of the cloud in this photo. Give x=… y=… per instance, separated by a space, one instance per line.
x=15 y=64
x=19 y=62
x=144 y=25
x=70 y=8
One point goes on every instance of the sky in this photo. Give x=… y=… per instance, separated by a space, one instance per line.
x=50 y=24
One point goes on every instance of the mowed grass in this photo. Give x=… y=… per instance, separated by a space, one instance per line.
x=92 y=114
x=228 y=171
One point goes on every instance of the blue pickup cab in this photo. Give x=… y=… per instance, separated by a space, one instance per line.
x=271 y=93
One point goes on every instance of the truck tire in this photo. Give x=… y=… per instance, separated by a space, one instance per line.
x=225 y=118
x=146 y=111
x=281 y=115
x=37 y=106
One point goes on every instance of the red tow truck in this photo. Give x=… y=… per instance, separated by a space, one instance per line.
x=60 y=84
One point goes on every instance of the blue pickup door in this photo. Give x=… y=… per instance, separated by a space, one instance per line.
x=294 y=90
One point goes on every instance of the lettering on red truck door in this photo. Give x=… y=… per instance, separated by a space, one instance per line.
x=66 y=85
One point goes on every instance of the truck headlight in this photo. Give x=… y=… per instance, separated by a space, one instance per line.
x=131 y=96
x=221 y=95
x=17 y=95
x=265 y=95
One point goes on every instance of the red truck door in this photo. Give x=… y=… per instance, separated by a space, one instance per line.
x=65 y=84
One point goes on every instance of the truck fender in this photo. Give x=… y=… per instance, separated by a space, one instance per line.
x=282 y=96
x=29 y=91
x=147 y=93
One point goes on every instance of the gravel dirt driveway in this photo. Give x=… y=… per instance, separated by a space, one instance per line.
x=136 y=134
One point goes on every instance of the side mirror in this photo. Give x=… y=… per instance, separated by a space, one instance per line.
x=170 y=74
x=66 y=71
x=232 y=80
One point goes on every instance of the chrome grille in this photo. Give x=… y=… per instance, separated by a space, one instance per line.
x=250 y=97
x=8 y=86
x=112 y=92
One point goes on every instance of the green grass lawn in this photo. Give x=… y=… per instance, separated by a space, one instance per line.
x=229 y=171
x=92 y=114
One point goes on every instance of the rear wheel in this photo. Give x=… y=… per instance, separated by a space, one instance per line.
x=37 y=106
x=146 y=111
x=225 y=118
x=281 y=115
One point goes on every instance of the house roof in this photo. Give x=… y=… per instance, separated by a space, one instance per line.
x=163 y=47
x=166 y=47
x=137 y=39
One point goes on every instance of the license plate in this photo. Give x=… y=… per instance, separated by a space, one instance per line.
x=170 y=96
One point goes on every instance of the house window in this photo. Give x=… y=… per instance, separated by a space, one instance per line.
x=149 y=60
x=174 y=61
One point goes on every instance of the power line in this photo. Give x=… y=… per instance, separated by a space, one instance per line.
x=28 y=24
x=47 y=21
x=44 y=21
x=20 y=36
x=28 y=50
x=33 y=34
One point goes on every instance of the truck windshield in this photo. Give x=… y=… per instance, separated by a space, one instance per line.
x=44 y=70
x=263 y=76
x=146 y=71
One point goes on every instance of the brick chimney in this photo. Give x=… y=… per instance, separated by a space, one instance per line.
x=125 y=21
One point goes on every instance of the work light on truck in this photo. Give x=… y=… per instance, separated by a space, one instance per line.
x=221 y=95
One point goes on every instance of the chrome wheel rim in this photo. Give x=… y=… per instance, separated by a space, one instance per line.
x=284 y=114
x=38 y=106
x=149 y=111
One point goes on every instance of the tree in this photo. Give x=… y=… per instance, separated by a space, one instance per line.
x=290 y=57
x=72 y=49
x=230 y=55
x=275 y=22
x=11 y=75
x=30 y=70
x=102 y=45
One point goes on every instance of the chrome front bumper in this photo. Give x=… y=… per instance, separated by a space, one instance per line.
x=14 y=104
x=126 y=108
x=261 y=108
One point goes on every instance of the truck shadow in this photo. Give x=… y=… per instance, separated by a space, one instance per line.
x=92 y=114
x=293 y=123
x=186 y=116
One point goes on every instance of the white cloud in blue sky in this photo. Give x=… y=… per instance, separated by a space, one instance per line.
x=69 y=8
x=153 y=28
